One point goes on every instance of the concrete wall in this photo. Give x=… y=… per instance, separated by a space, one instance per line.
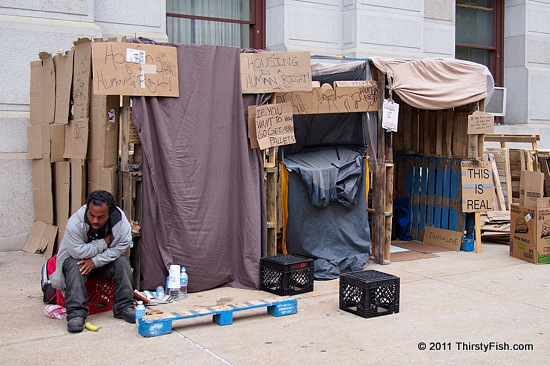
x=362 y=28
x=28 y=27
x=527 y=69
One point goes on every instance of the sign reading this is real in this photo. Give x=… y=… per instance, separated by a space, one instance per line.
x=266 y=72
x=477 y=186
x=271 y=125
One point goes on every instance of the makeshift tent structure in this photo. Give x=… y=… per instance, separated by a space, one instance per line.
x=326 y=216
x=203 y=187
x=435 y=97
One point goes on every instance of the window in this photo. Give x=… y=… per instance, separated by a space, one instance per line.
x=239 y=23
x=480 y=34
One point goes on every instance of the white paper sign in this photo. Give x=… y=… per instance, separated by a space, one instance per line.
x=389 y=115
x=135 y=56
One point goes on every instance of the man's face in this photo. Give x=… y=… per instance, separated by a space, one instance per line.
x=98 y=215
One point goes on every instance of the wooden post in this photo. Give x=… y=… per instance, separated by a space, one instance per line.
x=388 y=212
x=379 y=194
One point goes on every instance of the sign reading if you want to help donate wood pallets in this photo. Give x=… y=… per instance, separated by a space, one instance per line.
x=267 y=72
x=477 y=186
x=270 y=125
x=121 y=68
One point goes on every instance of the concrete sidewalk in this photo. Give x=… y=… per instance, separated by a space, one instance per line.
x=453 y=304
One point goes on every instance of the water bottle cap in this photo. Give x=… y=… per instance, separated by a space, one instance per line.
x=140 y=302
x=182 y=268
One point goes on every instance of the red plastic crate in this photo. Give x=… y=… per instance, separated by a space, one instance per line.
x=101 y=294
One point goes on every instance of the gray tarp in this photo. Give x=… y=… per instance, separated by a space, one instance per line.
x=203 y=187
x=336 y=234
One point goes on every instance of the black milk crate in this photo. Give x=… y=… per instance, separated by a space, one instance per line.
x=286 y=274
x=369 y=293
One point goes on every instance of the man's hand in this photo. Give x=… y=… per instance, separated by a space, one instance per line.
x=87 y=266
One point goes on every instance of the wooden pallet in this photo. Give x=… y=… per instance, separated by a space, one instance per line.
x=155 y=325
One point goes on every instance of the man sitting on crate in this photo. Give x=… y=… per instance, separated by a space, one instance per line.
x=95 y=240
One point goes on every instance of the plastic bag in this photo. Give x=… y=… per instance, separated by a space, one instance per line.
x=55 y=311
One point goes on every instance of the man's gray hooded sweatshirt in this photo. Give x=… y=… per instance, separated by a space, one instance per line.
x=79 y=243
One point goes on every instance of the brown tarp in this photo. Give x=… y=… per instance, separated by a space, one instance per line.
x=436 y=83
x=203 y=187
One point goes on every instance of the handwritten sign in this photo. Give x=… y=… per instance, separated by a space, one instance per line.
x=477 y=186
x=121 y=68
x=481 y=122
x=266 y=72
x=443 y=238
x=389 y=115
x=271 y=125
x=81 y=78
x=325 y=99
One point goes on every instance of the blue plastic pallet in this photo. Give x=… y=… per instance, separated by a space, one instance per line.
x=159 y=324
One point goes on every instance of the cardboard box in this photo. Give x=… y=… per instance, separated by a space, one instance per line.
x=63 y=82
x=42 y=236
x=78 y=184
x=530 y=232
x=38 y=141
x=42 y=190
x=47 y=86
x=57 y=142
x=76 y=139
x=104 y=124
x=62 y=197
x=82 y=73
x=101 y=178
x=531 y=188
x=36 y=94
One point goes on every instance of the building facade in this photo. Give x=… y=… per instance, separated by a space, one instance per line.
x=354 y=28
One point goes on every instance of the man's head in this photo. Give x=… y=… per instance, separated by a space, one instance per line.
x=100 y=206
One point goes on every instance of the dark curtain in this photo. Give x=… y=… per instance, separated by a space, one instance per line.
x=203 y=187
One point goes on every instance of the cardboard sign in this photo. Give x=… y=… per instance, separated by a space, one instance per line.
x=271 y=125
x=443 y=238
x=480 y=122
x=81 y=78
x=389 y=115
x=76 y=139
x=477 y=186
x=340 y=99
x=121 y=68
x=63 y=84
x=266 y=72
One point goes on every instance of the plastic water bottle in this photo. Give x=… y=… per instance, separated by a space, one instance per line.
x=173 y=282
x=159 y=293
x=173 y=286
x=140 y=312
x=183 y=283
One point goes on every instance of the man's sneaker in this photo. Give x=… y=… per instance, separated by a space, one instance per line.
x=76 y=324
x=128 y=314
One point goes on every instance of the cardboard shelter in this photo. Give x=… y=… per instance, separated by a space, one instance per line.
x=348 y=115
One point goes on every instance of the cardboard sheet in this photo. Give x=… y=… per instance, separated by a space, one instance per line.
x=266 y=72
x=121 y=68
x=345 y=97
